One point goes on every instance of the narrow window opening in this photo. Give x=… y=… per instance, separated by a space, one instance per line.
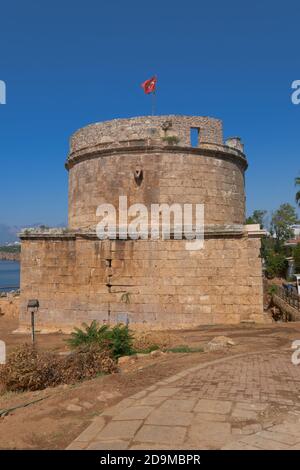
x=194 y=136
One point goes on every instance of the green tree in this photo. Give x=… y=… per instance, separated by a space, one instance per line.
x=275 y=264
x=296 y=256
x=281 y=224
x=297 y=183
x=258 y=217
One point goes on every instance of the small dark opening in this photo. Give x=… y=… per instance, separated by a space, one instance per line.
x=194 y=136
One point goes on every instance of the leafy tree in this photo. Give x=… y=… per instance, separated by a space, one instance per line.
x=297 y=183
x=258 y=217
x=275 y=264
x=296 y=256
x=281 y=224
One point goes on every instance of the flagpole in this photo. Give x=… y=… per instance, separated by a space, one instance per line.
x=153 y=103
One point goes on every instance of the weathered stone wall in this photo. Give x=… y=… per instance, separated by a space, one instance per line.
x=176 y=177
x=10 y=305
x=158 y=284
x=120 y=130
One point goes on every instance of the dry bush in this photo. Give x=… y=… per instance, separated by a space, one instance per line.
x=144 y=340
x=27 y=369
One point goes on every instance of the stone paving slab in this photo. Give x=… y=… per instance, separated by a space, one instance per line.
x=247 y=401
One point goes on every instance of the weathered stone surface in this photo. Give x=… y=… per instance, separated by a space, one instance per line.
x=134 y=412
x=161 y=434
x=116 y=430
x=213 y=406
x=170 y=418
x=178 y=405
x=73 y=407
x=10 y=305
x=108 y=445
x=105 y=395
x=268 y=377
x=209 y=434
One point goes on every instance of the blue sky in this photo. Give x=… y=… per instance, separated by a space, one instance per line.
x=69 y=63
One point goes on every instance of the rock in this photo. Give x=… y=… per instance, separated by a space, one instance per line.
x=220 y=342
x=105 y=396
x=75 y=400
x=156 y=353
x=73 y=407
x=126 y=359
x=87 y=405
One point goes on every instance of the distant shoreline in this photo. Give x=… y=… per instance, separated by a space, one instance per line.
x=6 y=256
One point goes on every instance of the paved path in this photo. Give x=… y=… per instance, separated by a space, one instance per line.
x=248 y=401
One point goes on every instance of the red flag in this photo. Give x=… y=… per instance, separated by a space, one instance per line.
x=149 y=85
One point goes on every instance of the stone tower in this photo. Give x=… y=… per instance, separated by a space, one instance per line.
x=154 y=283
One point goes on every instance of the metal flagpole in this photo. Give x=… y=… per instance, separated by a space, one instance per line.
x=153 y=102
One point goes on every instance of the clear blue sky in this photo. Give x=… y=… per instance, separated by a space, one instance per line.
x=69 y=63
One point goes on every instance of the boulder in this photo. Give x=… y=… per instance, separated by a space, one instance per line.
x=220 y=342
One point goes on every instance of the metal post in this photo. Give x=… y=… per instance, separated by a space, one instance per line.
x=153 y=102
x=32 y=327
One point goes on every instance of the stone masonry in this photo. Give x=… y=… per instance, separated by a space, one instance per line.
x=152 y=283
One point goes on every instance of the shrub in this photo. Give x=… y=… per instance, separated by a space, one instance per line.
x=88 y=335
x=272 y=289
x=119 y=340
x=27 y=369
x=171 y=140
x=276 y=264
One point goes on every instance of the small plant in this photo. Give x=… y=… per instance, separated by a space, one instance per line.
x=119 y=340
x=89 y=334
x=272 y=289
x=171 y=139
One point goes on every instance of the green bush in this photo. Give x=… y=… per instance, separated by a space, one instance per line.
x=118 y=339
x=272 y=289
x=296 y=256
x=121 y=341
x=10 y=249
x=276 y=264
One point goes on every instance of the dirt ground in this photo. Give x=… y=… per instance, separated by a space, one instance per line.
x=53 y=421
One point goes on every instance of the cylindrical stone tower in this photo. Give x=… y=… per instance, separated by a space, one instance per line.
x=105 y=158
x=150 y=283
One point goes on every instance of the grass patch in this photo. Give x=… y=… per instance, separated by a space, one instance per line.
x=184 y=349
x=153 y=347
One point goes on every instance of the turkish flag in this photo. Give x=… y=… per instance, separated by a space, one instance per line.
x=149 y=85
